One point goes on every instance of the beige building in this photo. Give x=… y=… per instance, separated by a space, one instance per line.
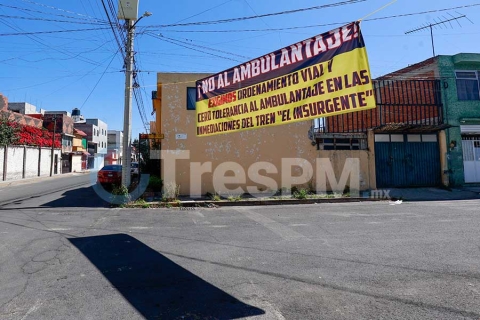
x=277 y=152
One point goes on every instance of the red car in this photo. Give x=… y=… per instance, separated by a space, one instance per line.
x=110 y=175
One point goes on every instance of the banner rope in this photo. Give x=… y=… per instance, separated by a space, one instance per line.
x=378 y=10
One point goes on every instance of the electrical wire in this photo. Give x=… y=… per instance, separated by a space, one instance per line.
x=50 y=20
x=189 y=47
x=325 y=24
x=47 y=32
x=58 y=9
x=204 y=11
x=96 y=84
x=331 y=5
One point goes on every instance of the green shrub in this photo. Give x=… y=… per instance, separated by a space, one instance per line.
x=234 y=198
x=300 y=194
x=155 y=183
x=213 y=196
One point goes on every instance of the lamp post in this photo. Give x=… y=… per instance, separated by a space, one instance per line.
x=127 y=115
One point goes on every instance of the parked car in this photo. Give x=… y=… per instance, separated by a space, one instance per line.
x=110 y=175
x=134 y=168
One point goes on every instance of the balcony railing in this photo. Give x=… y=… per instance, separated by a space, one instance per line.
x=414 y=103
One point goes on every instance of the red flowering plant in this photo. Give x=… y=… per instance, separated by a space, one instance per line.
x=32 y=136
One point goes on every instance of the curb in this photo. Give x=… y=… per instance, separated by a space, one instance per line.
x=39 y=178
x=211 y=204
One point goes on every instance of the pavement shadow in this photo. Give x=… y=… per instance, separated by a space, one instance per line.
x=156 y=286
x=81 y=197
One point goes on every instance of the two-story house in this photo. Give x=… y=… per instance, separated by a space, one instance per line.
x=96 y=131
x=114 y=147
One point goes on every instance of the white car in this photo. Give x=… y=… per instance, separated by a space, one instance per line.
x=134 y=168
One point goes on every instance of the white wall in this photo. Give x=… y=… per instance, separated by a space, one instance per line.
x=14 y=163
x=18 y=155
x=31 y=163
x=45 y=163
x=2 y=151
x=99 y=161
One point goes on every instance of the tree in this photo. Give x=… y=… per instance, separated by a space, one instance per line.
x=8 y=131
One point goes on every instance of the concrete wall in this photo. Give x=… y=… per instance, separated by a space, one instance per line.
x=2 y=152
x=14 y=163
x=31 y=162
x=243 y=148
x=22 y=161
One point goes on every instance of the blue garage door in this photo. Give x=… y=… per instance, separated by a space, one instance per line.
x=407 y=160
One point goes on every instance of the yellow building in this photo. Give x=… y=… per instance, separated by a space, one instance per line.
x=256 y=160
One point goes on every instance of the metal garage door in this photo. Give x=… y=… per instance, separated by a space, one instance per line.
x=407 y=160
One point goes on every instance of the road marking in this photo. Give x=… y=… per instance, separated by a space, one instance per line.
x=140 y=228
x=283 y=231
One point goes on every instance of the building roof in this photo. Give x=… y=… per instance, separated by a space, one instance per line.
x=79 y=132
x=408 y=69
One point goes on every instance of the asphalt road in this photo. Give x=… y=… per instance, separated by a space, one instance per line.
x=66 y=255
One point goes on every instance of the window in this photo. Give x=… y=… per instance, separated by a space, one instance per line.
x=342 y=144
x=467 y=85
x=191 y=98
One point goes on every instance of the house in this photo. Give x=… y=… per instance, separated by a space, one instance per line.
x=114 y=147
x=79 y=155
x=96 y=131
x=61 y=122
x=458 y=77
x=19 y=112
x=250 y=155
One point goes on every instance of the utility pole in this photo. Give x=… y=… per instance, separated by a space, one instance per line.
x=127 y=113
x=128 y=11
x=53 y=143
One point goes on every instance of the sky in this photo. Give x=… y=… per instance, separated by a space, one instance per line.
x=60 y=55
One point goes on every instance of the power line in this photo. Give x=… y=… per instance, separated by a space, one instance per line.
x=46 y=32
x=58 y=9
x=96 y=84
x=204 y=11
x=190 y=42
x=336 y=4
x=189 y=47
x=50 y=14
x=325 y=24
x=50 y=20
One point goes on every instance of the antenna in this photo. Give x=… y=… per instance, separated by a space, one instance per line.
x=440 y=23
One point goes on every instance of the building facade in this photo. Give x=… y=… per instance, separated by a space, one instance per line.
x=96 y=131
x=114 y=147
x=277 y=152
x=459 y=77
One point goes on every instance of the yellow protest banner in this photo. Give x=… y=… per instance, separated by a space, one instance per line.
x=319 y=77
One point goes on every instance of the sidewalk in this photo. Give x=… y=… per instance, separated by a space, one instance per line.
x=17 y=182
x=434 y=194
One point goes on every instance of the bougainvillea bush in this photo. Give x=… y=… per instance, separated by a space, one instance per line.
x=28 y=135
